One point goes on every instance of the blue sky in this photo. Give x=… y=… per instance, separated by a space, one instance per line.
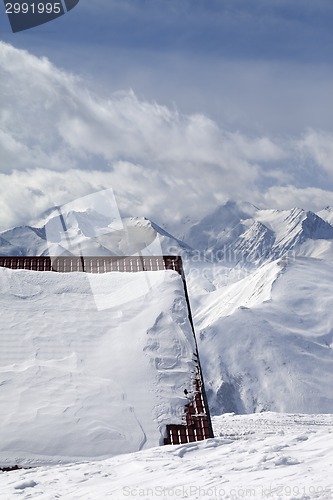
x=203 y=55
x=297 y=30
x=250 y=81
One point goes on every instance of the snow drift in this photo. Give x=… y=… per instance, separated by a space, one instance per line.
x=263 y=456
x=80 y=383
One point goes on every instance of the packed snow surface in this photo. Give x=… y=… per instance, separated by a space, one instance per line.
x=90 y=367
x=265 y=456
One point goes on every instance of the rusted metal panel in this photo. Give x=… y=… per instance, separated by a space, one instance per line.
x=196 y=426
x=94 y=264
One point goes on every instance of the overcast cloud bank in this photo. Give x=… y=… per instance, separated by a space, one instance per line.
x=60 y=140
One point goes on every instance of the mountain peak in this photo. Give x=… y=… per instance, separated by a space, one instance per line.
x=234 y=232
x=316 y=228
x=326 y=214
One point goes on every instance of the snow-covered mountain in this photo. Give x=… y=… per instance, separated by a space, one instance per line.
x=266 y=341
x=89 y=233
x=327 y=214
x=23 y=240
x=235 y=233
x=260 y=285
x=242 y=233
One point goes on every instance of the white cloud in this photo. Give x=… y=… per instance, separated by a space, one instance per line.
x=59 y=141
x=286 y=197
x=318 y=146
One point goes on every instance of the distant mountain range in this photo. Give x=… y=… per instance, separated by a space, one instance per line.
x=241 y=233
x=88 y=233
x=260 y=285
x=235 y=233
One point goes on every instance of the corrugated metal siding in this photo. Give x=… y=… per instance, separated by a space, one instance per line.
x=94 y=264
x=197 y=424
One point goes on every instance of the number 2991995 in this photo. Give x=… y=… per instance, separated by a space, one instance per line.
x=33 y=8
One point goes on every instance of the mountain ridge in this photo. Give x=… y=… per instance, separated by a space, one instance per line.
x=235 y=233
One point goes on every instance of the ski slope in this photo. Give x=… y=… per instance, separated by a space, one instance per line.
x=262 y=456
x=266 y=341
x=90 y=366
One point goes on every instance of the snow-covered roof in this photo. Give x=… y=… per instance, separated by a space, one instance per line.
x=93 y=365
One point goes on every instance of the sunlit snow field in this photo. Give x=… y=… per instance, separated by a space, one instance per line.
x=259 y=456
